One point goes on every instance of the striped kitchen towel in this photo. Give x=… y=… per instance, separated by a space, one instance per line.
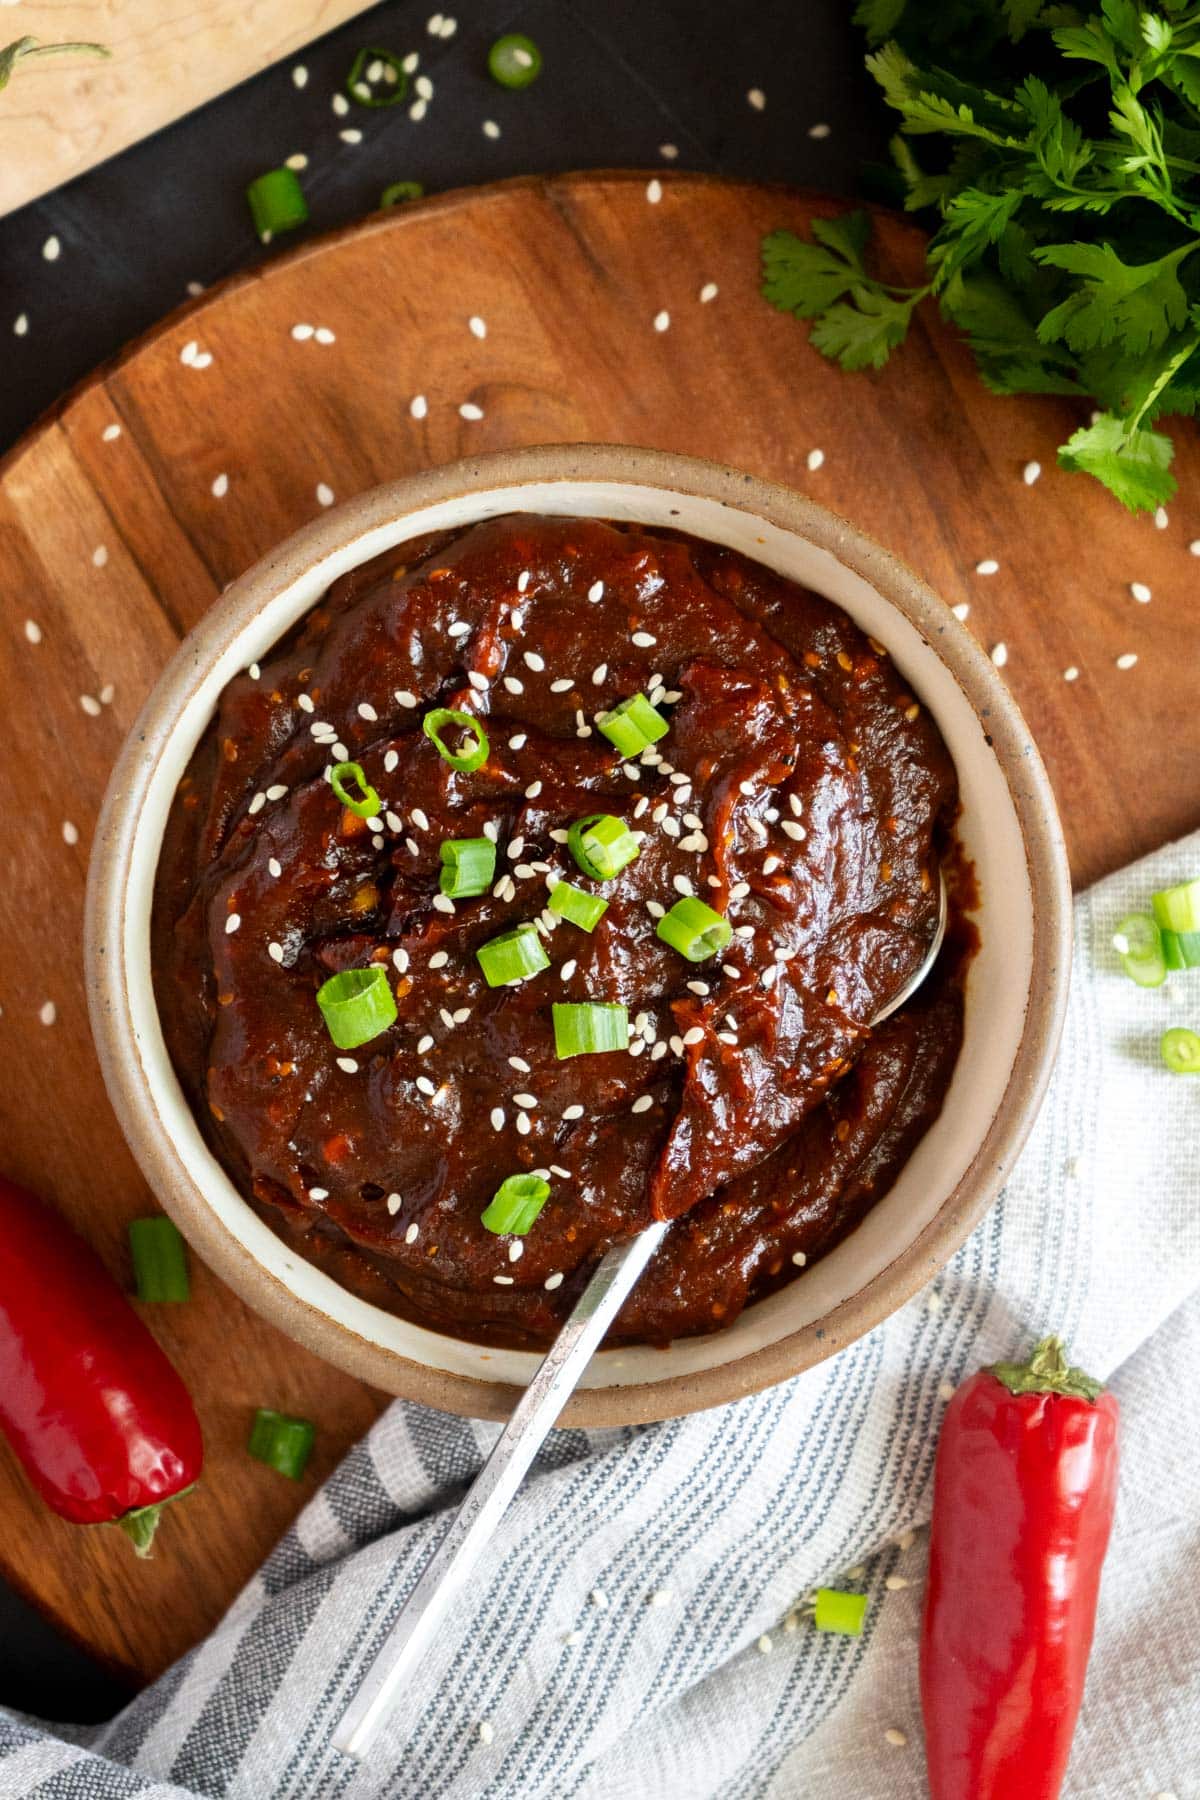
x=634 y=1632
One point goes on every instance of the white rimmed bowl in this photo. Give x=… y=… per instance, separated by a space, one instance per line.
x=1016 y=988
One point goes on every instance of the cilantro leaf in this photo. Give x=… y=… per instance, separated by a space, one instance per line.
x=1138 y=305
x=804 y=278
x=1134 y=465
x=864 y=335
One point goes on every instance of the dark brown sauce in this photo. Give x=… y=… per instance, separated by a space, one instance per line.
x=802 y=789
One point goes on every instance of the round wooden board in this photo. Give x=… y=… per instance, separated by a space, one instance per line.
x=113 y=545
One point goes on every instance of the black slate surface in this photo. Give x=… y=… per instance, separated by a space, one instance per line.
x=621 y=79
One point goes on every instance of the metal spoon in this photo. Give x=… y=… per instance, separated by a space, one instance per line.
x=488 y=1497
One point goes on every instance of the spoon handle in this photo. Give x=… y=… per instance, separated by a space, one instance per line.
x=488 y=1497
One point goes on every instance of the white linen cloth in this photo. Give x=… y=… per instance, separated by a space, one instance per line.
x=631 y=1634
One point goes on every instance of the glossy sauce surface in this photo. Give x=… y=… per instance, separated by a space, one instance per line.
x=802 y=790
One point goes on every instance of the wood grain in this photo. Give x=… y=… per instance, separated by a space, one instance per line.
x=61 y=116
x=568 y=275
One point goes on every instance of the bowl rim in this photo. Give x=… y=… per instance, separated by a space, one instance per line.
x=1009 y=740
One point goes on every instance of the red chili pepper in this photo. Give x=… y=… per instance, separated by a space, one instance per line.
x=88 y=1401
x=1024 y=1491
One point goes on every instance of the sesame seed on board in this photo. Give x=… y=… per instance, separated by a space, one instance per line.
x=654 y=191
x=662 y=320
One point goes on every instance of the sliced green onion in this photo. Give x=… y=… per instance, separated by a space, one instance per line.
x=843 y=1613
x=1178 y=908
x=1181 y=1050
x=602 y=845
x=276 y=202
x=589 y=1028
x=1138 y=942
x=435 y=722
x=366 y=805
x=633 y=725
x=468 y=865
x=570 y=902
x=281 y=1442
x=513 y=956
x=159 y=1260
x=361 y=90
x=515 y=1205
x=399 y=191
x=694 y=929
x=514 y=61
x=1181 y=949
x=357 y=1005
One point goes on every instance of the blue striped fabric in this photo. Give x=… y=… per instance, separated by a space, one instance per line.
x=638 y=1632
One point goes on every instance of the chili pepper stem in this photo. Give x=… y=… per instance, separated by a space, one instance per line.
x=141 y=1523
x=1048 y=1371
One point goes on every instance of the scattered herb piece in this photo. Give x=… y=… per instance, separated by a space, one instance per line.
x=283 y=1443
x=694 y=929
x=515 y=1205
x=513 y=956
x=842 y=1613
x=387 y=88
x=400 y=191
x=160 y=1267
x=468 y=865
x=357 y=1005
x=1180 y=1049
x=572 y=903
x=589 y=1028
x=434 y=726
x=24 y=47
x=514 y=61
x=277 y=202
x=602 y=845
x=365 y=804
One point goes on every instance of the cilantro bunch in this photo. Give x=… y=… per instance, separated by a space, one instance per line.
x=1066 y=178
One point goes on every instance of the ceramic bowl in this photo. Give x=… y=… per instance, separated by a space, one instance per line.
x=1016 y=987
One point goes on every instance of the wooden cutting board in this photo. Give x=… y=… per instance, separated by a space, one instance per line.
x=161 y=478
x=63 y=115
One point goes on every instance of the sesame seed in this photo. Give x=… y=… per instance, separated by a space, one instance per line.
x=340 y=105
x=1161 y=519
x=756 y=98
x=815 y=460
x=300 y=76
x=799 y=1258
x=420 y=818
x=945 y=1390
x=324 y=493
x=459 y=629
x=643 y=1103
x=515 y=848
x=513 y=686
x=764 y=1645
x=820 y=130
x=573 y=1112
x=476 y=326
x=21 y=325
x=447 y=1017
x=599 y=674
x=662 y=320
x=999 y=654
x=48 y=1012
x=516 y=1251
x=568 y=969
x=1128 y=660
x=351 y=135
x=298 y=162
x=418 y=406
x=51 y=249
x=232 y=923
x=1194 y=547
x=503 y=1280
x=1140 y=591
x=423 y=87
x=497 y=1118
x=695 y=1035
x=1071 y=674
x=790 y=828
x=347 y=1064
x=989 y=566
x=654 y=192
x=426 y=1086
x=896 y=1737
x=895 y=1583
x=523 y=1126
x=220 y=487
x=443 y=903
x=596 y=591
x=318 y=1193
x=302 y=333
x=708 y=292
x=553 y=1281
x=643 y=640
x=598 y=1597
x=490 y=128
x=518 y=742
x=275 y=867
x=533 y=790
x=1030 y=473
x=402 y=697
x=668 y=152
x=486 y=1731
x=110 y=434
x=468 y=410
x=682 y=885
x=257 y=803
x=562 y=685
x=99 y=556
x=961 y=610
x=524 y=1099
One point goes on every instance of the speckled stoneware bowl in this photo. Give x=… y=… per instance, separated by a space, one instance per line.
x=1016 y=988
